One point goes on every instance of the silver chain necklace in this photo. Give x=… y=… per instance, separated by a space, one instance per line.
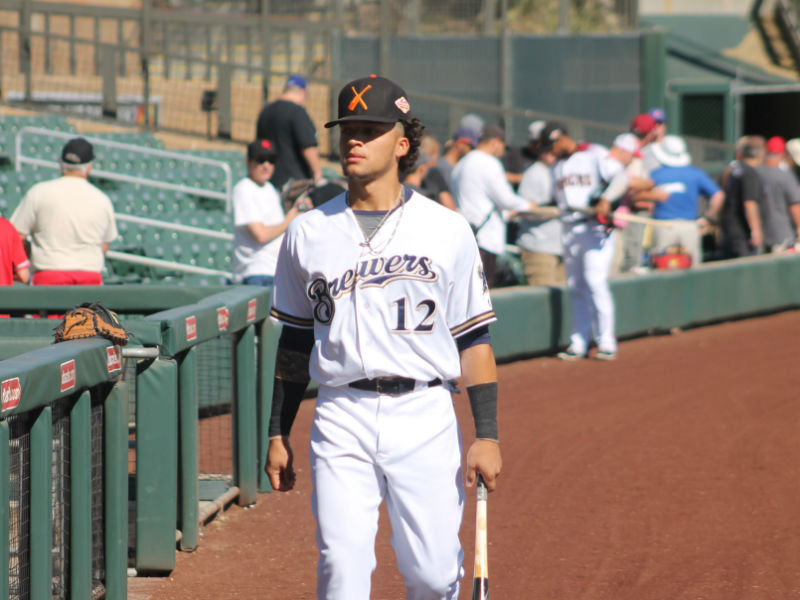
x=367 y=243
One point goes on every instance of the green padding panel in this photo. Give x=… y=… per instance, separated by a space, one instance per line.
x=40 y=372
x=738 y=288
x=228 y=311
x=529 y=320
x=11 y=346
x=156 y=465
x=537 y=320
x=38 y=333
x=121 y=298
x=649 y=302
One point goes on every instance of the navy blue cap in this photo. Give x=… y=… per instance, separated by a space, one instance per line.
x=297 y=81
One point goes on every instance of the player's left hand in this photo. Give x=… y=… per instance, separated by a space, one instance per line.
x=484 y=456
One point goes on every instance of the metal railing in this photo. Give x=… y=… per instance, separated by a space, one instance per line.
x=187 y=160
x=168 y=265
x=73 y=413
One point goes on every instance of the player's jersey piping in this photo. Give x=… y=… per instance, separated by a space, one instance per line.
x=476 y=321
x=290 y=319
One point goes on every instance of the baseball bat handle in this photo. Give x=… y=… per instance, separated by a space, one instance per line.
x=480 y=584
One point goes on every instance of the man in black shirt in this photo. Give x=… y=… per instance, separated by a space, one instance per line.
x=740 y=221
x=286 y=122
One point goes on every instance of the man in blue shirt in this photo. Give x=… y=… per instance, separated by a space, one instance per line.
x=685 y=184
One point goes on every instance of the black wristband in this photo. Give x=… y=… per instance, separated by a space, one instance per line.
x=483 y=401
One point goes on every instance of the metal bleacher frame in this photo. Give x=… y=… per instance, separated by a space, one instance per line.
x=146 y=152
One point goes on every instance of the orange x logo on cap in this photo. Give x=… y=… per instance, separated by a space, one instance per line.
x=358 y=98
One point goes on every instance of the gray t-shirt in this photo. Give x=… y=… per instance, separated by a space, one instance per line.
x=781 y=192
x=445 y=168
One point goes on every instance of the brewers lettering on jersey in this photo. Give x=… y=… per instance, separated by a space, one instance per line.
x=384 y=302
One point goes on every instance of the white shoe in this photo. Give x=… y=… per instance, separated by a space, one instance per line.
x=570 y=355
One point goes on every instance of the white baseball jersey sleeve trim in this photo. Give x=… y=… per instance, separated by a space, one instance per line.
x=388 y=308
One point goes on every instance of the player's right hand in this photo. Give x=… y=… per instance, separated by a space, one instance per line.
x=279 y=464
x=602 y=209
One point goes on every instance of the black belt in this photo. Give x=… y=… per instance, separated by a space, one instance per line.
x=392 y=386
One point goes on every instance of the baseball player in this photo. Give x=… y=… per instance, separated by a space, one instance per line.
x=383 y=301
x=587 y=180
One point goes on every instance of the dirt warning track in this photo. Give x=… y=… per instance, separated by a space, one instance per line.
x=669 y=474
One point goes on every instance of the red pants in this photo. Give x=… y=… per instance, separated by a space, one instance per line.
x=67 y=278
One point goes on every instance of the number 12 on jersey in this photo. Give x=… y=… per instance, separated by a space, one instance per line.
x=426 y=308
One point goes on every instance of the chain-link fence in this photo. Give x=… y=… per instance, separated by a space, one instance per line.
x=152 y=66
x=19 y=505
x=60 y=502
x=215 y=395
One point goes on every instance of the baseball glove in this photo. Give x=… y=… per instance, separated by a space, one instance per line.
x=91 y=319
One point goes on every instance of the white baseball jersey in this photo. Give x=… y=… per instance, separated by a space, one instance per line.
x=579 y=175
x=588 y=246
x=391 y=307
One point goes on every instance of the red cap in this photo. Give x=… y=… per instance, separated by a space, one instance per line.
x=776 y=145
x=643 y=124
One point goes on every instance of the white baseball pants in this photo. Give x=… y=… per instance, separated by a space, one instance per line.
x=406 y=450
x=588 y=252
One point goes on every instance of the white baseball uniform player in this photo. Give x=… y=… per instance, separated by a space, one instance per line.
x=588 y=245
x=390 y=304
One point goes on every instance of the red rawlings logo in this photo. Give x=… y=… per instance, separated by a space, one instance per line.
x=113 y=362
x=251 y=310
x=191 y=328
x=68 y=375
x=11 y=393
x=223 y=315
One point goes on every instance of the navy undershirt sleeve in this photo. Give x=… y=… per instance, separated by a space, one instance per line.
x=474 y=338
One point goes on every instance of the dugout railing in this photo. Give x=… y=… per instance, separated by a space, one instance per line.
x=151 y=420
x=105 y=474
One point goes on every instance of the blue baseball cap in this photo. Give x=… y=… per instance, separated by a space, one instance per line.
x=297 y=81
x=658 y=114
x=466 y=135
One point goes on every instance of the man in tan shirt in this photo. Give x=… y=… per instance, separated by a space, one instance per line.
x=69 y=221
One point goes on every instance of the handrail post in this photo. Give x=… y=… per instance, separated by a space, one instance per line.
x=41 y=520
x=108 y=68
x=266 y=49
x=246 y=463
x=80 y=530
x=115 y=415
x=187 y=452
x=5 y=497
x=269 y=332
x=25 y=47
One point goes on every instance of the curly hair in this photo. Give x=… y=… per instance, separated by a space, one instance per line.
x=413 y=130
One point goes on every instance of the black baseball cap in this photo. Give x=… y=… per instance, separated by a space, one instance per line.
x=551 y=133
x=261 y=151
x=373 y=99
x=77 y=151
